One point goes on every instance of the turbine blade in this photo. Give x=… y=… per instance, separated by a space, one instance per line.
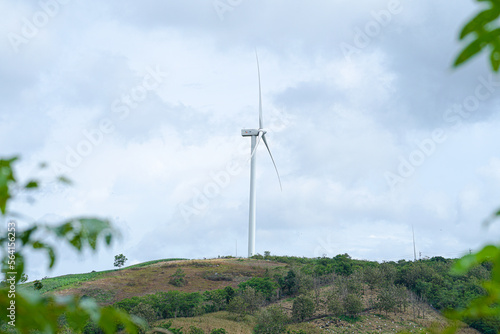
x=276 y=168
x=256 y=145
x=261 y=122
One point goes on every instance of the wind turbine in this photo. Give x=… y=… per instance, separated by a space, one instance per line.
x=256 y=135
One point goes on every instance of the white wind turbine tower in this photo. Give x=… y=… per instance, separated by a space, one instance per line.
x=256 y=135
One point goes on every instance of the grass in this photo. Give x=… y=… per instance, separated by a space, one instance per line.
x=210 y=321
x=66 y=281
x=305 y=328
x=59 y=283
x=381 y=316
x=144 y=264
x=350 y=319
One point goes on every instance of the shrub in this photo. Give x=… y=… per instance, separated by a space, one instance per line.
x=145 y=311
x=218 y=331
x=303 y=308
x=247 y=302
x=37 y=285
x=168 y=325
x=334 y=303
x=92 y=328
x=128 y=304
x=230 y=292
x=352 y=304
x=179 y=278
x=195 y=330
x=217 y=300
x=272 y=320
x=263 y=285
x=238 y=307
x=253 y=299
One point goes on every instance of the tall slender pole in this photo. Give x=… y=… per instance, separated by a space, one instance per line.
x=251 y=223
x=414 y=249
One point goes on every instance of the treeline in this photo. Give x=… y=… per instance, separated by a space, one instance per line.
x=430 y=281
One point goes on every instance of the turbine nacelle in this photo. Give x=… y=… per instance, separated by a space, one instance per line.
x=252 y=132
x=249 y=132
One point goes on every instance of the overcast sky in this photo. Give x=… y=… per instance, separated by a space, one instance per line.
x=141 y=104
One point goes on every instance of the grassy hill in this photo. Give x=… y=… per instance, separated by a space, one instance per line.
x=205 y=300
x=110 y=286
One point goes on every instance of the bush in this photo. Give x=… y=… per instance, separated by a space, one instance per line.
x=303 y=308
x=178 y=279
x=216 y=300
x=352 y=304
x=92 y=328
x=174 y=304
x=230 y=292
x=169 y=304
x=247 y=302
x=37 y=285
x=272 y=320
x=128 y=304
x=218 y=331
x=168 y=325
x=253 y=299
x=145 y=311
x=238 y=307
x=263 y=285
x=195 y=330
x=334 y=303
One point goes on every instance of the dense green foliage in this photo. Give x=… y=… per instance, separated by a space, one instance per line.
x=431 y=280
x=263 y=285
x=483 y=312
x=169 y=304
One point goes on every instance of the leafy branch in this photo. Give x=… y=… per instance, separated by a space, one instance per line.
x=484 y=32
x=43 y=313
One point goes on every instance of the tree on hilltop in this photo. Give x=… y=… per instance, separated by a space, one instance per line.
x=120 y=260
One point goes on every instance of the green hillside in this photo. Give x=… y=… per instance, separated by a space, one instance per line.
x=320 y=295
